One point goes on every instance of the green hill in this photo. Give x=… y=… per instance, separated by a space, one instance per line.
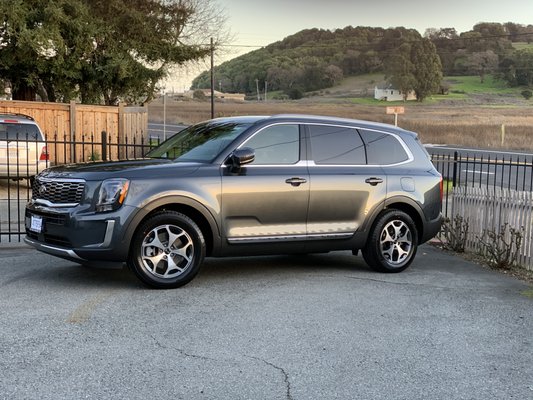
x=315 y=59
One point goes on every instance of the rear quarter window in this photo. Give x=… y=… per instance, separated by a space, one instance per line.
x=383 y=149
x=14 y=131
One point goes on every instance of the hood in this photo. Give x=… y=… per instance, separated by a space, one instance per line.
x=144 y=168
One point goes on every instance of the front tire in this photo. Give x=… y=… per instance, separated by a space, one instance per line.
x=167 y=250
x=392 y=244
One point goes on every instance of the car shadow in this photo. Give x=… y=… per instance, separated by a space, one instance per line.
x=214 y=270
x=284 y=267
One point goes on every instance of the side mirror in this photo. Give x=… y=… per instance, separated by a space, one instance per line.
x=242 y=157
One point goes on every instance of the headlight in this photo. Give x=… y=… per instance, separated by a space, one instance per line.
x=112 y=194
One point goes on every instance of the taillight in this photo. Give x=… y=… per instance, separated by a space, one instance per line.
x=44 y=154
x=441 y=188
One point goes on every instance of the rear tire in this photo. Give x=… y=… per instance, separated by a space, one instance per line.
x=167 y=250
x=392 y=244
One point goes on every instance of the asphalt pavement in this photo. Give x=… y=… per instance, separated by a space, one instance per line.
x=285 y=327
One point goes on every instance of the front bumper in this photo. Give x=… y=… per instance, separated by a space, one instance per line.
x=78 y=236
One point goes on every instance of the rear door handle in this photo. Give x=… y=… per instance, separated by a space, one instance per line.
x=373 y=181
x=295 y=181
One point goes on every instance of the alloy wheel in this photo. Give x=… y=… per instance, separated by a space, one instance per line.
x=167 y=251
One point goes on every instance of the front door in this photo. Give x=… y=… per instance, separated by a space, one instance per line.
x=266 y=201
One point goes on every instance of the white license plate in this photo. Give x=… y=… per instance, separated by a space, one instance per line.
x=36 y=224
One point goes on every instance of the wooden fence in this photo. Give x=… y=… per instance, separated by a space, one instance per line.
x=489 y=208
x=79 y=123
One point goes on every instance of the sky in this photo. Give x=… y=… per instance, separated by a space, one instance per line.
x=259 y=23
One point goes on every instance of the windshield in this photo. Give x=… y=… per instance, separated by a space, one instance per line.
x=199 y=143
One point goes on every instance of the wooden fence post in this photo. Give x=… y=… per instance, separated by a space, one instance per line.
x=121 y=132
x=72 y=111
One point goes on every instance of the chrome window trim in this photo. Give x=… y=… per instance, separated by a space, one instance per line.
x=312 y=164
x=410 y=157
x=301 y=163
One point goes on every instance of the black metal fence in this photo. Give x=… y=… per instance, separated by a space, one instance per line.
x=20 y=160
x=458 y=169
x=96 y=148
x=514 y=172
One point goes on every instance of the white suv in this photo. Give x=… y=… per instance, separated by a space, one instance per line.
x=23 y=152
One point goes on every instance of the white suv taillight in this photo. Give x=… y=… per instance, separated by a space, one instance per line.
x=44 y=154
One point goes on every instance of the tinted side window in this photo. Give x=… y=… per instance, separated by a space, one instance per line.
x=336 y=145
x=383 y=149
x=277 y=144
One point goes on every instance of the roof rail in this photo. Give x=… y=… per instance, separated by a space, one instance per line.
x=19 y=115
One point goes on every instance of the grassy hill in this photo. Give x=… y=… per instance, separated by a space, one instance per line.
x=523 y=45
x=462 y=90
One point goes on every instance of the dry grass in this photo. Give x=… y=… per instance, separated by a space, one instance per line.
x=475 y=126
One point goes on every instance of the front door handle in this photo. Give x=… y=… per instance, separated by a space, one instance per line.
x=295 y=181
x=373 y=181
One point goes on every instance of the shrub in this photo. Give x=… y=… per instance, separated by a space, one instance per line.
x=295 y=93
x=526 y=94
x=199 y=95
x=455 y=233
x=94 y=156
x=501 y=249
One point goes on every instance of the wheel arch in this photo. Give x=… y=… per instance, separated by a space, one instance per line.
x=411 y=208
x=189 y=207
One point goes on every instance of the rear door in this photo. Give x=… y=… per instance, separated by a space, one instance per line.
x=343 y=188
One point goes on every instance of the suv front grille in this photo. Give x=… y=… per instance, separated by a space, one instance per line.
x=58 y=192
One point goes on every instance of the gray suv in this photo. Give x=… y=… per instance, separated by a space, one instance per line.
x=243 y=186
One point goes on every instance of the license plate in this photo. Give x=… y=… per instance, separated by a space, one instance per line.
x=36 y=224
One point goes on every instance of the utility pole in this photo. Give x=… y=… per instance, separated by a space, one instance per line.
x=212 y=79
x=164 y=115
x=257 y=87
x=266 y=89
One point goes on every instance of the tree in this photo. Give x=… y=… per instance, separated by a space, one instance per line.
x=332 y=75
x=427 y=68
x=482 y=63
x=517 y=69
x=31 y=43
x=400 y=70
x=415 y=66
x=447 y=42
x=100 y=50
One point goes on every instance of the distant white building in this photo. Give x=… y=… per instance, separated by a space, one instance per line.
x=389 y=93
